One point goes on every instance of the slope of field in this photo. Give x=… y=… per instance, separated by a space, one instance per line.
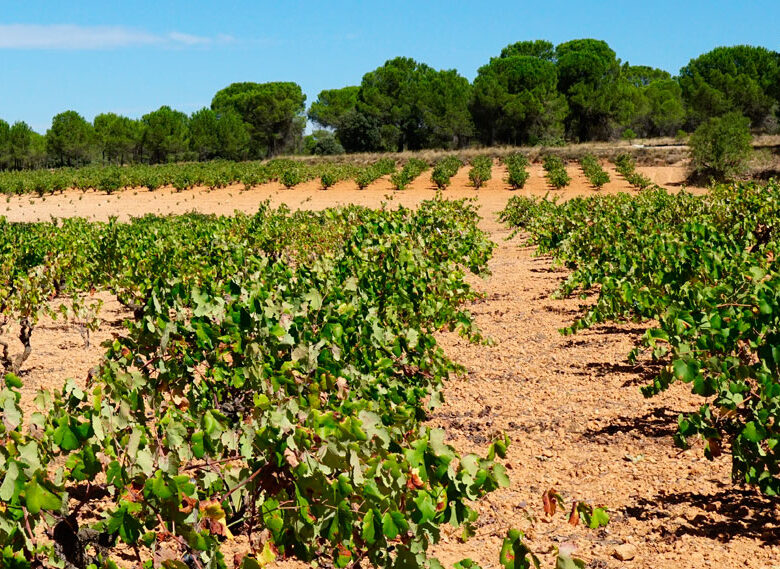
x=570 y=404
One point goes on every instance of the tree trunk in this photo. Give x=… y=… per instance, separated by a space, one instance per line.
x=13 y=364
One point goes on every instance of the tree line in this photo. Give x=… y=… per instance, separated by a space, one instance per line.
x=533 y=92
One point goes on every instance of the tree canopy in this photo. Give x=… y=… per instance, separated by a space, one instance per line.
x=589 y=77
x=541 y=49
x=118 y=137
x=165 y=134
x=332 y=105
x=273 y=113
x=70 y=138
x=516 y=100
x=643 y=75
x=5 y=145
x=409 y=105
x=741 y=78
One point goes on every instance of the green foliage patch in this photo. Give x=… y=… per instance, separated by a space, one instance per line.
x=481 y=170
x=403 y=177
x=626 y=167
x=272 y=382
x=722 y=147
x=593 y=171
x=556 y=173
x=517 y=168
x=444 y=170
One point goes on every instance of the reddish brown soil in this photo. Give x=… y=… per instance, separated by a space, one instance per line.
x=571 y=404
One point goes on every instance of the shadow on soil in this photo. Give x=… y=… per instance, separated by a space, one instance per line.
x=639 y=374
x=660 y=422
x=624 y=329
x=721 y=516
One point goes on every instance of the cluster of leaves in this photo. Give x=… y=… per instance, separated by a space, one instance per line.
x=272 y=382
x=403 y=177
x=517 y=168
x=626 y=167
x=593 y=171
x=369 y=174
x=702 y=267
x=591 y=517
x=445 y=169
x=556 y=173
x=481 y=170
x=515 y=554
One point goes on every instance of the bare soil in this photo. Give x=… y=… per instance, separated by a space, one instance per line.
x=571 y=404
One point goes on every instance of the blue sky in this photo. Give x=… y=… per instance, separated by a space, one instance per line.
x=133 y=57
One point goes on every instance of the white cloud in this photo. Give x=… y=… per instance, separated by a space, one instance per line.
x=65 y=36
x=188 y=39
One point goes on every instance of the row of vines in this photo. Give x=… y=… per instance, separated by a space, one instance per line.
x=267 y=399
x=290 y=173
x=702 y=272
x=271 y=384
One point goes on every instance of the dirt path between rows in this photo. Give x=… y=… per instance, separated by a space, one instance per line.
x=578 y=423
x=570 y=404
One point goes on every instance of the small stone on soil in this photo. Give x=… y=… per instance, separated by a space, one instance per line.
x=625 y=552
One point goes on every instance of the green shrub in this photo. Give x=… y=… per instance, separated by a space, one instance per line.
x=626 y=167
x=516 y=165
x=593 y=171
x=556 y=171
x=558 y=178
x=553 y=162
x=151 y=180
x=328 y=179
x=369 y=174
x=328 y=146
x=481 y=170
x=413 y=168
x=60 y=182
x=110 y=181
x=183 y=181
x=625 y=164
x=291 y=177
x=639 y=181
x=721 y=147
x=41 y=183
x=445 y=169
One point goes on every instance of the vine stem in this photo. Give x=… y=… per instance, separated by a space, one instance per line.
x=179 y=539
x=243 y=483
x=27 y=525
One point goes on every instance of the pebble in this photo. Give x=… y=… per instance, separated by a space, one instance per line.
x=625 y=552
